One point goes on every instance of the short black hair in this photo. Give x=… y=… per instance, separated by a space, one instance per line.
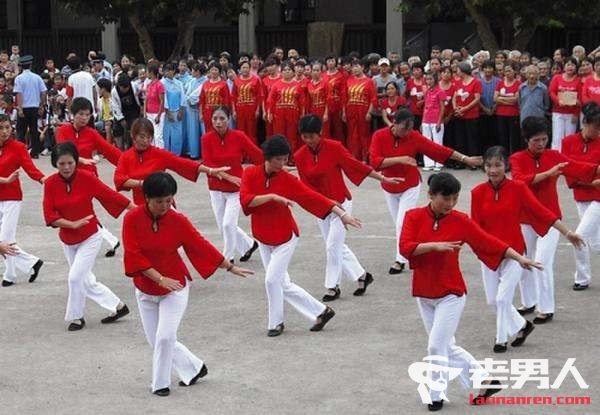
x=496 y=152
x=591 y=113
x=444 y=184
x=488 y=63
x=63 y=149
x=402 y=115
x=79 y=104
x=532 y=126
x=159 y=184
x=104 y=83
x=4 y=118
x=74 y=62
x=274 y=146
x=310 y=124
x=223 y=108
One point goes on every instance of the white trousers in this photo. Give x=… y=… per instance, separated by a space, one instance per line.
x=500 y=288
x=82 y=282
x=430 y=132
x=341 y=261
x=441 y=317
x=589 y=229
x=226 y=208
x=537 y=287
x=9 y=218
x=110 y=239
x=279 y=286
x=562 y=126
x=161 y=316
x=398 y=204
x=158 y=129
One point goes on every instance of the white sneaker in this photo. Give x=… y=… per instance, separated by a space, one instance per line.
x=437 y=169
x=45 y=152
x=427 y=168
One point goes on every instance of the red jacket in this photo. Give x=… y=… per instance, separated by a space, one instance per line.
x=138 y=165
x=558 y=84
x=286 y=96
x=337 y=87
x=13 y=156
x=229 y=150
x=214 y=94
x=437 y=274
x=88 y=140
x=384 y=144
x=525 y=167
x=322 y=169
x=247 y=93
x=318 y=96
x=145 y=249
x=360 y=92
x=72 y=200
x=573 y=146
x=273 y=223
x=500 y=211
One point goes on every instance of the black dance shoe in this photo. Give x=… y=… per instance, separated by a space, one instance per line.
x=36 y=269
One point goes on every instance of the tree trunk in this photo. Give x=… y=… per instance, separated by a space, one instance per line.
x=484 y=29
x=186 y=24
x=508 y=30
x=144 y=38
x=523 y=37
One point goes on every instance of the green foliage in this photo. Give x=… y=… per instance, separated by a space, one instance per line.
x=152 y=11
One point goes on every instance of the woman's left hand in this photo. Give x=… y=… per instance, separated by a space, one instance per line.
x=351 y=220
x=530 y=263
x=474 y=161
x=241 y=272
x=393 y=180
x=575 y=239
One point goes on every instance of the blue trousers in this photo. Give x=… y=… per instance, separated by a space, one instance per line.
x=193 y=132
x=173 y=134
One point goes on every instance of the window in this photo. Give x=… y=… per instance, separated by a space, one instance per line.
x=299 y=11
x=37 y=14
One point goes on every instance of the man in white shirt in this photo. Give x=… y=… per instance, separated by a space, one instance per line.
x=82 y=83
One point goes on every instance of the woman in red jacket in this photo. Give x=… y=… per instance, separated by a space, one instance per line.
x=89 y=142
x=498 y=206
x=68 y=197
x=285 y=105
x=14 y=156
x=393 y=152
x=540 y=168
x=359 y=99
x=318 y=96
x=267 y=192
x=320 y=164
x=214 y=93
x=467 y=94
x=431 y=239
x=585 y=146
x=564 y=91
x=246 y=99
x=506 y=97
x=223 y=147
x=152 y=235
x=143 y=159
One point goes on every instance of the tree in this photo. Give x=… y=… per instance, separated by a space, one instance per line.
x=510 y=24
x=144 y=14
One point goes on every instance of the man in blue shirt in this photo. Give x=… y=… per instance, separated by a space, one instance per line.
x=487 y=114
x=31 y=98
x=533 y=95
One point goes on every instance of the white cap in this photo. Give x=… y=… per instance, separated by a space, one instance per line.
x=383 y=61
